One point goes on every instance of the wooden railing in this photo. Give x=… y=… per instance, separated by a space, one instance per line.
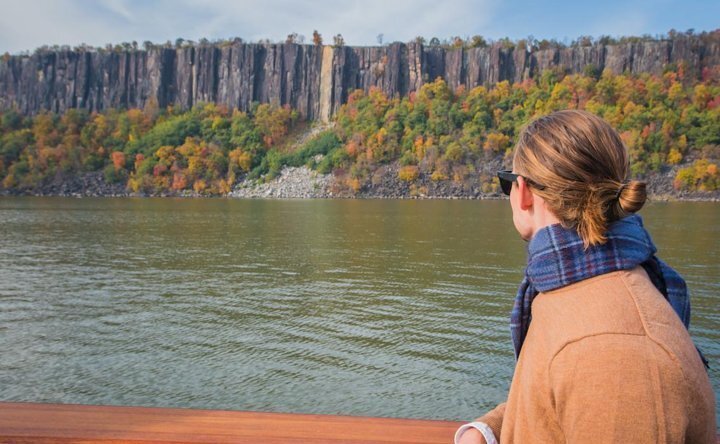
x=24 y=423
x=61 y=423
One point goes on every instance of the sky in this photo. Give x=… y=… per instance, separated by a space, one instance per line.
x=28 y=24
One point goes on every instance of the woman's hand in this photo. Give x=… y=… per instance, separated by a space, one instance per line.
x=472 y=436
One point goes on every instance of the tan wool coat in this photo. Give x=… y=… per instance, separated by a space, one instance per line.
x=607 y=360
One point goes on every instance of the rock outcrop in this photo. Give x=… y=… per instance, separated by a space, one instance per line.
x=292 y=183
x=315 y=80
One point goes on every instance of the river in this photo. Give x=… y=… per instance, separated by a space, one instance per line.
x=360 y=307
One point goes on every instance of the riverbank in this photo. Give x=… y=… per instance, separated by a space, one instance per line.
x=304 y=183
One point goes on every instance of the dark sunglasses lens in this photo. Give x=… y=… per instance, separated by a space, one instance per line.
x=505 y=185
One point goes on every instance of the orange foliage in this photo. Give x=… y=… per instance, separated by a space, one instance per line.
x=118 y=160
x=419 y=146
x=179 y=181
x=647 y=130
x=355 y=96
x=712 y=170
x=352 y=148
x=381 y=136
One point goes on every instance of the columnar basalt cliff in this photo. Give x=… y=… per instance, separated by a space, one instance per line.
x=314 y=80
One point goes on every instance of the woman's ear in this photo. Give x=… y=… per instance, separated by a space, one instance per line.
x=525 y=195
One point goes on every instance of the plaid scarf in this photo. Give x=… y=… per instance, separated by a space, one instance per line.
x=557 y=258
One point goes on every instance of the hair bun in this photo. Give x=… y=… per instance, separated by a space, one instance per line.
x=632 y=196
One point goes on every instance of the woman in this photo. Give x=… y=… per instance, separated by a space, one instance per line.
x=607 y=356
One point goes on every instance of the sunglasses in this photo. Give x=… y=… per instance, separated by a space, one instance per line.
x=507 y=178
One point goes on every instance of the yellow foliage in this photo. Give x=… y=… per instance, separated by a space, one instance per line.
x=222 y=186
x=217 y=123
x=630 y=108
x=560 y=94
x=134 y=183
x=199 y=186
x=477 y=93
x=165 y=153
x=381 y=136
x=429 y=142
x=438 y=175
x=189 y=148
x=614 y=116
x=419 y=146
x=9 y=181
x=45 y=154
x=497 y=115
x=355 y=184
x=195 y=165
x=240 y=158
x=593 y=106
x=408 y=173
x=496 y=142
x=674 y=157
x=434 y=90
x=501 y=90
x=701 y=96
x=682 y=143
x=675 y=92
x=454 y=152
x=162 y=182
x=701 y=176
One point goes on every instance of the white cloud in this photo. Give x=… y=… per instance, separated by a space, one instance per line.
x=119 y=8
x=28 y=24
x=33 y=23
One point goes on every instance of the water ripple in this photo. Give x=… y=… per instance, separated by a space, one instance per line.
x=317 y=306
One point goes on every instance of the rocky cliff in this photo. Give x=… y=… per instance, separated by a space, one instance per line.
x=315 y=80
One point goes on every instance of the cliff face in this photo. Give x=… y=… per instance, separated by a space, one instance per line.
x=314 y=80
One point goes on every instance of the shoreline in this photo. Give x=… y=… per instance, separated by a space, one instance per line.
x=296 y=183
x=193 y=195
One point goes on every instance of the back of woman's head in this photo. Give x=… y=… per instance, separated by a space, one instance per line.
x=583 y=165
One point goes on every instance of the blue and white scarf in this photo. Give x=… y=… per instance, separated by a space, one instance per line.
x=557 y=258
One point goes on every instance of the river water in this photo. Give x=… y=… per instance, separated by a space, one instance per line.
x=359 y=307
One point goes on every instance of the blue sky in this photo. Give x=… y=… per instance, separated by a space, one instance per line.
x=27 y=24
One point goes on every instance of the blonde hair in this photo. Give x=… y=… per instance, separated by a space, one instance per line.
x=582 y=165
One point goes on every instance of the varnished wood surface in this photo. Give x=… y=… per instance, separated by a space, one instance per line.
x=61 y=423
